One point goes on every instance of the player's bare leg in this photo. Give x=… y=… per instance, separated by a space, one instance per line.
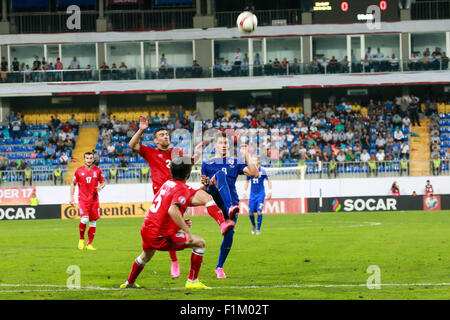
x=136 y=269
x=198 y=249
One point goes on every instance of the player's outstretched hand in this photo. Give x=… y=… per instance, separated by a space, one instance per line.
x=244 y=149
x=143 y=123
x=72 y=202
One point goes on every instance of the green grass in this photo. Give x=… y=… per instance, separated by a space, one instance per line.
x=312 y=249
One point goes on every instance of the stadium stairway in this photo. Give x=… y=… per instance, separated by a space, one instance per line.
x=87 y=138
x=420 y=149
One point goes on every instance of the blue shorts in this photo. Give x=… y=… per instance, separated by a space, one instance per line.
x=256 y=204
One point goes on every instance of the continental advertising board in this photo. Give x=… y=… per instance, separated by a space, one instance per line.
x=109 y=210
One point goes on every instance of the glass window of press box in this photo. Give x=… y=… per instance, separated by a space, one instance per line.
x=285 y=52
x=427 y=50
x=383 y=51
x=123 y=59
x=422 y=43
x=26 y=54
x=329 y=53
x=229 y=56
x=84 y=54
x=53 y=53
x=175 y=59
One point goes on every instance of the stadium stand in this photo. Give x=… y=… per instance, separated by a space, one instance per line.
x=42 y=147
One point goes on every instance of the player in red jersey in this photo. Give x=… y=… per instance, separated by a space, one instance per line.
x=159 y=160
x=161 y=228
x=429 y=189
x=89 y=180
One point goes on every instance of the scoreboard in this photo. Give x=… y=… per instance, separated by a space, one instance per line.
x=354 y=11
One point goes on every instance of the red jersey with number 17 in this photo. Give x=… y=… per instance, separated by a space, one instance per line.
x=159 y=163
x=157 y=220
x=88 y=180
x=429 y=190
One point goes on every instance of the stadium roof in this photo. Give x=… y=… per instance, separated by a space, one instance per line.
x=418 y=26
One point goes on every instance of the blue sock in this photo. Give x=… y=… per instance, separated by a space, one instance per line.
x=225 y=249
x=260 y=216
x=252 y=219
x=224 y=190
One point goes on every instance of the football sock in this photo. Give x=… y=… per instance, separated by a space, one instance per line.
x=196 y=263
x=215 y=212
x=173 y=255
x=224 y=190
x=82 y=228
x=91 y=234
x=260 y=217
x=225 y=248
x=138 y=266
x=91 y=231
x=252 y=219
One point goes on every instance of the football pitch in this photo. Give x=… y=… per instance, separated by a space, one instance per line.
x=310 y=256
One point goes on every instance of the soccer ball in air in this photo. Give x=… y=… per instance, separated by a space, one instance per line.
x=246 y=22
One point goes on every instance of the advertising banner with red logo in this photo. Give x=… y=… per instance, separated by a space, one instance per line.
x=15 y=196
x=431 y=202
x=271 y=206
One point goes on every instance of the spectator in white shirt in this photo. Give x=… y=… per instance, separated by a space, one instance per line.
x=406 y=123
x=238 y=57
x=341 y=156
x=404 y=148
x=74 y=64
x=163 y=61
x=380 y=155
x=365 y=156
x=379 y=54
x=398 y=135
x=110 y=149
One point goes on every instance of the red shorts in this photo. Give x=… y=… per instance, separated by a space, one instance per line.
x=90 y=209
x=175 y=242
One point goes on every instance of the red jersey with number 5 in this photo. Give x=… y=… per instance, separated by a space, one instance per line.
x=88 y=180
x=157 y=221
x=159 y=163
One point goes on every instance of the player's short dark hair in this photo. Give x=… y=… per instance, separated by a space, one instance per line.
x=88 y=154
x=220 y=135
x=180 y=168
x=158 y=130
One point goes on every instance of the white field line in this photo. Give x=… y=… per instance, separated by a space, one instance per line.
x=61 y=288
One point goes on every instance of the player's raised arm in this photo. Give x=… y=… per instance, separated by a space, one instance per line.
x=135 y=142
x=175 y=214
